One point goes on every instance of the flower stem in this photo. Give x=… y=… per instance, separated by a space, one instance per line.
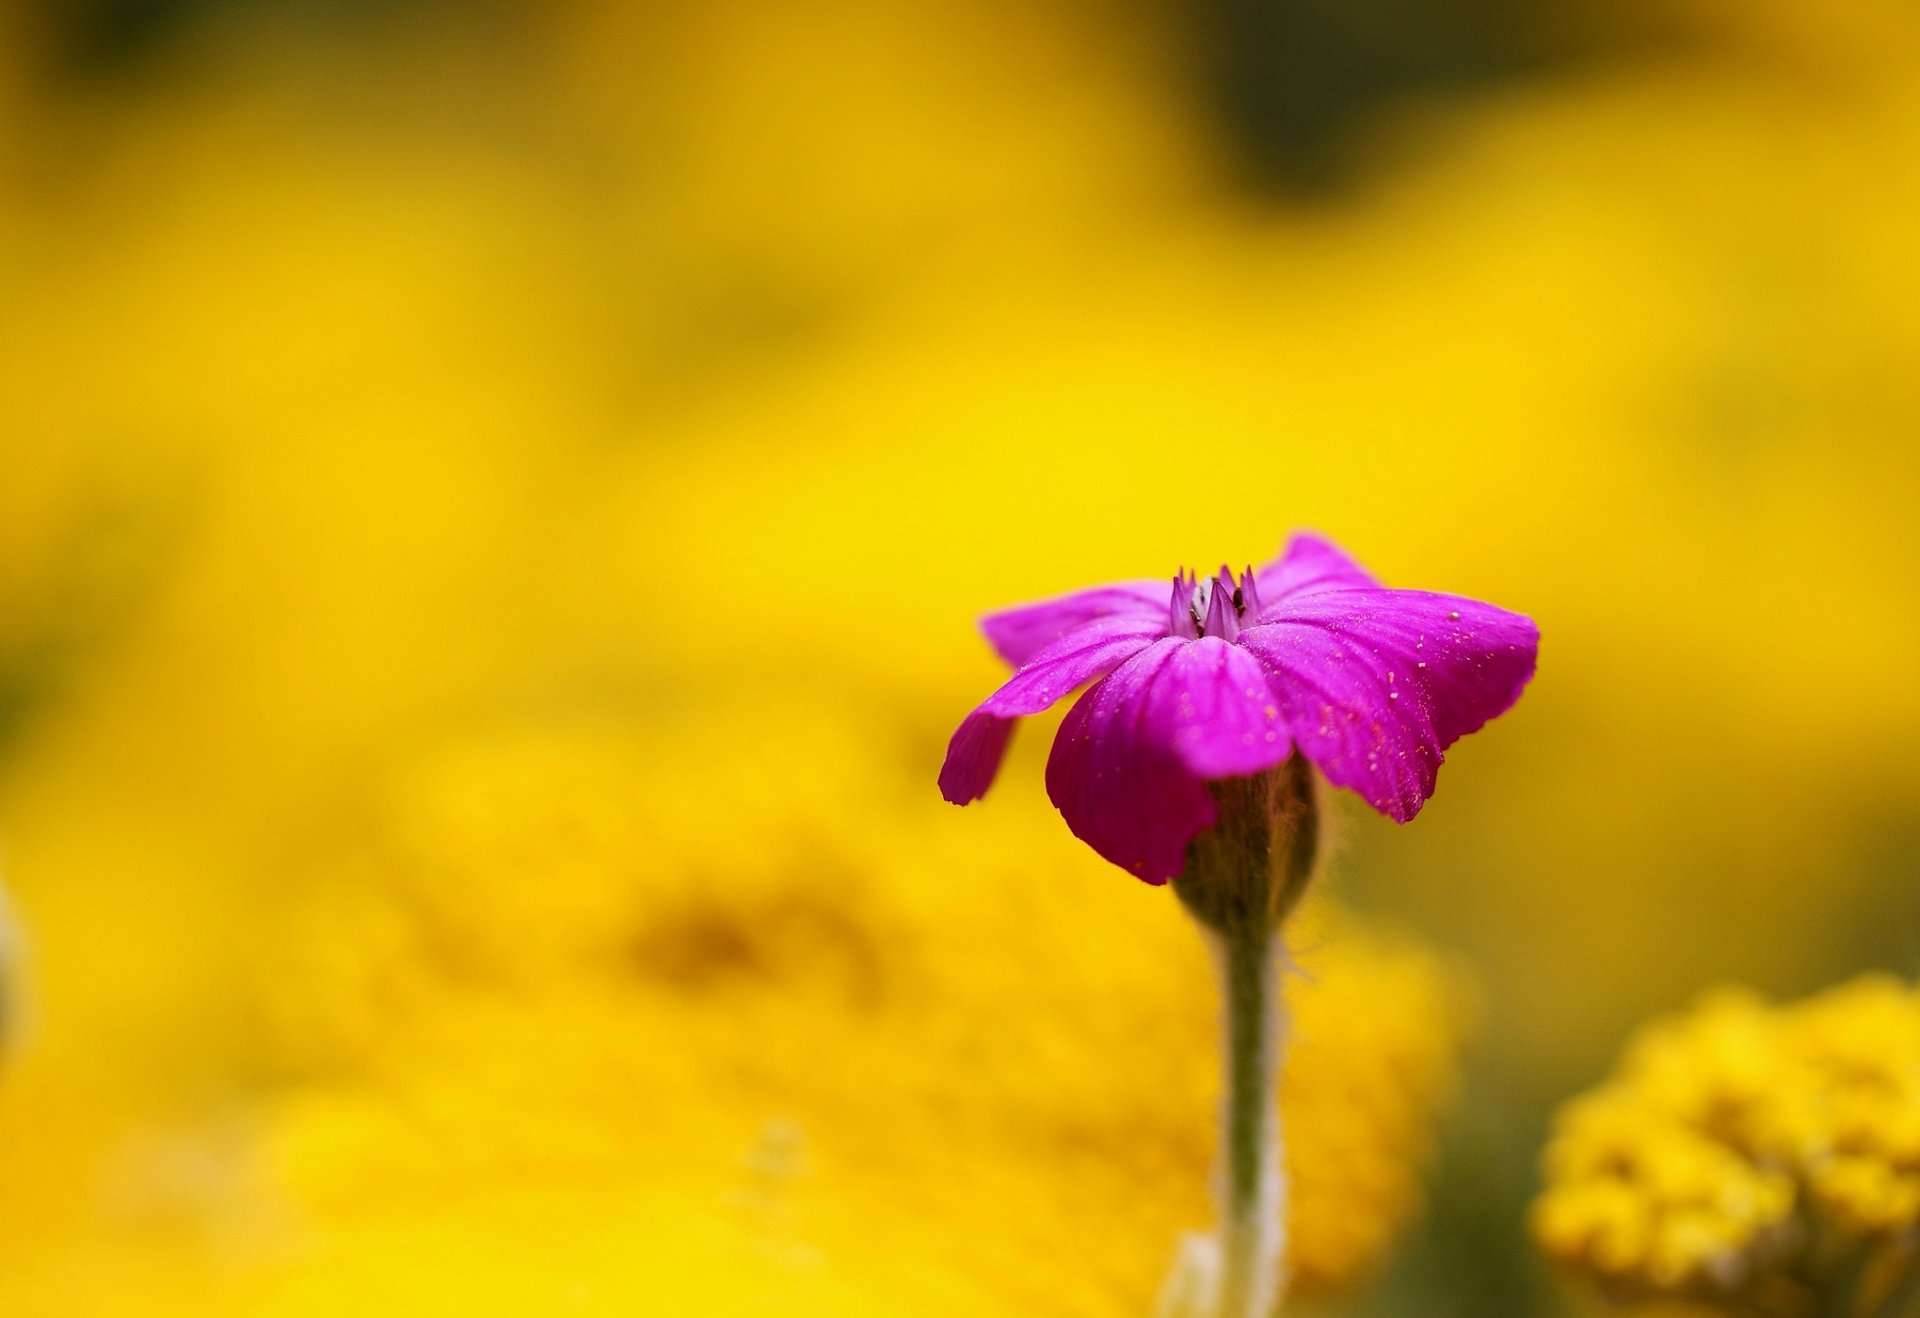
x=1243 y=876
x=1254 y=1188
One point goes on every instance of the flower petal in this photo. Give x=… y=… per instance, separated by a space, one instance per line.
x=973 y=756
x=1309 y=563
x=1091 y=650
x=1375 y=684
x=1130 y=766
x=1017 y=635
x=1212 y=704
x=1123 y=793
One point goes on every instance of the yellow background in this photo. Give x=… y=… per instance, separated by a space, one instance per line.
x=409 y=420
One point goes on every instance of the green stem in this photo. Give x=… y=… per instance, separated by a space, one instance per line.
x=1241 y=878
x=1252 y=1244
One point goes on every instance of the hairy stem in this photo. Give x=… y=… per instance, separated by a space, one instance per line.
x=1253 y=1191
x=1243 y=876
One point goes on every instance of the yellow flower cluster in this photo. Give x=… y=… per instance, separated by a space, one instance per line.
x=587 y=963
x=1746 y=1149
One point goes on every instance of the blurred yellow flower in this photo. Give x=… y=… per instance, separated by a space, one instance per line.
x=587 y=963
x=1748 y=1154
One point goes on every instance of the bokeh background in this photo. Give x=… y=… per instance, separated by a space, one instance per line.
x=493 y=501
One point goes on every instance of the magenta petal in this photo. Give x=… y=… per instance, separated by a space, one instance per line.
x=1130 y=765
x=973 y=756
x=1309 y=563
x=1374 y=684
x=1122 y=793
x=1089 y=651
x=1017 y=635
x=1212 y=704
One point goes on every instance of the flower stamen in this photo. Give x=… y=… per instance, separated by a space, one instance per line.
x=1211 y=606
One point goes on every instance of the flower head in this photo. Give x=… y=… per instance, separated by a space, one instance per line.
x=1227 y=676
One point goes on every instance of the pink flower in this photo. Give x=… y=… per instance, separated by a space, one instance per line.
x=1225 y=679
